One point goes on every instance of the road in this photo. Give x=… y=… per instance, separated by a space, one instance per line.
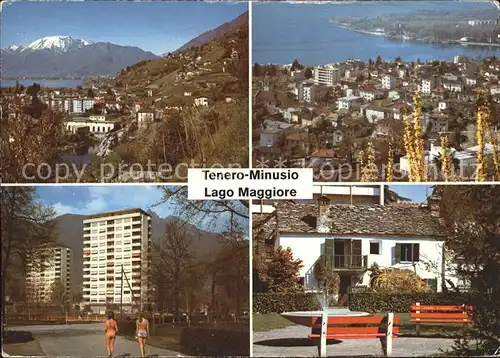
x=83 y=340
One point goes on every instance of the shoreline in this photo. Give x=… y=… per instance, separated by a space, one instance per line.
x=451 y=42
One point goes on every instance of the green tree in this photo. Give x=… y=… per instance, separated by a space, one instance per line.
x=281 y=272
x=296 y=65
x=308 y=73
x=25 y=223
x=58 y=294
x=378 y=61
x=256 y=70
x=90 y=93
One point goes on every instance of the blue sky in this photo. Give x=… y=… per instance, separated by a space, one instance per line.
x=86 y=200
x=417 y=193
x=158 y=27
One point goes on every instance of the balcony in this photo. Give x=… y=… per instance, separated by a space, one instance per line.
x=345 y=262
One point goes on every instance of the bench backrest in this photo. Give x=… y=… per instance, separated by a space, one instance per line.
x=452 y=313
x=356 y=326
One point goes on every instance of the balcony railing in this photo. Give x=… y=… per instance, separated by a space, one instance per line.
x=344 y=262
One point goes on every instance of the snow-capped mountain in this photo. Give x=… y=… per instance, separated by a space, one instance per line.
x=52 y=43
x=57 y=43
x=60 y=56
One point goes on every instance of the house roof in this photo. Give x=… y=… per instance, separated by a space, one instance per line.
x=376 y=220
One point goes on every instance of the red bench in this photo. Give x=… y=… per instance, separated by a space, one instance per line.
x=440 y=314
x=383 y=327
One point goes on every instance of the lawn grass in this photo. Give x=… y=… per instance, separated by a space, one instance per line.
x=267 y=322
x=165 y=336
x=21 y=343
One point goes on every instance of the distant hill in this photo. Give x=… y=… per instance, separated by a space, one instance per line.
x=64 y=56
x=212 y=34
x=70 y=233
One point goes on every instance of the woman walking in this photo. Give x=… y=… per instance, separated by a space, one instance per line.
x=142 y=332
x=111 y=329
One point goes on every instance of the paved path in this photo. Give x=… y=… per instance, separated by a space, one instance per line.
x=83 y=340
x=292 y=341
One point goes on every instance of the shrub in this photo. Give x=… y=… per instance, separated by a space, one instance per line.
x=284 y=302
x=380 y=302
x=215 y=341
x=126 y=325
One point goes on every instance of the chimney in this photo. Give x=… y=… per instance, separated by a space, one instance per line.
x=323 y=220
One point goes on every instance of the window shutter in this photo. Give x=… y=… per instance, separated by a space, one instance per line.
x=416 y=252
x=398 y=253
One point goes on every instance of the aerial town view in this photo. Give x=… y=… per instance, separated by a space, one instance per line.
x=377 y=91
x=87 y=269
x=331 y=279
x=136 y=97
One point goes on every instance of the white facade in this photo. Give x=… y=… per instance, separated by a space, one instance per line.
x=46 y=266
x=453 y=87
x=495 y=89
x=374 y=115
x=144 y=117
x=348 y=102
x=202 y=101
x=326 y=75
x=115 y=244
x=380 y=250
x=96 y=127
x=388 y=82
x=426 y=86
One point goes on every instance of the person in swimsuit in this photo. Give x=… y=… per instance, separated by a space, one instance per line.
x=111 y=329
x=142 y=332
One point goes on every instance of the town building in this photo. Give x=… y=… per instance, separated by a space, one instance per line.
x=349 y=239
x=327 y=75
x=388 y=82
x=96 y=124
x=117 y=260
x=349 y=102
x=427 y=85
x=48 y=266
x=144 y=117
x=201 y=102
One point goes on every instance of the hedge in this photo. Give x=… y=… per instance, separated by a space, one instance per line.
x=377 y=302
x=215 y=341
x=284 y=302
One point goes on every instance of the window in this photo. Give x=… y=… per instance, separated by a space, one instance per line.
x=374 y=247
x=432 y=282
x=407 y=253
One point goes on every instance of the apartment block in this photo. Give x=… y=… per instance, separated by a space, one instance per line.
x=326 y=75
x=46 y=267
x=117 y=260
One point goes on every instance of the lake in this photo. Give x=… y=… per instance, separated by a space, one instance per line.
x=43 y=83
x=285 y=31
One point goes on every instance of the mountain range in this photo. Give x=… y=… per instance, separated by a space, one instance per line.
x=66 y=56
x=212 y=34
x=204 y=245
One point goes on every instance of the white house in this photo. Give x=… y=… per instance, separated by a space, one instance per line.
x=98 y=127
x=494 y=89
x=453 y=86
x=348 y=102
x=201 y=102
x=351 y=238
x=427 y=85
x=144 y=117
x=388 y=82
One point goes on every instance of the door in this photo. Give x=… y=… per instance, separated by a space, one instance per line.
x=345 y=283
x=339 y=249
